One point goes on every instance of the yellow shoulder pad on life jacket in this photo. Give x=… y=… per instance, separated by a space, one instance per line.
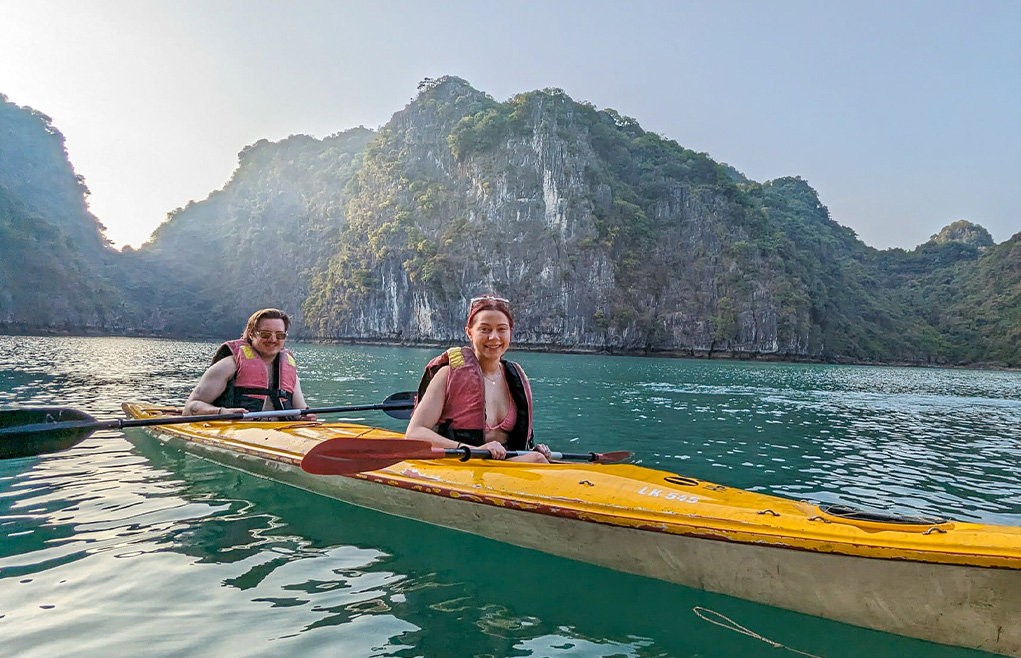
x=247 y=351
x=455 y=357
x=290 y=359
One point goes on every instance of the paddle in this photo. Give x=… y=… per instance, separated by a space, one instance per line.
x=344 y=456
x=28 y=432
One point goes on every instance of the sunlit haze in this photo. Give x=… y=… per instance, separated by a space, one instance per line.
x=904 y=116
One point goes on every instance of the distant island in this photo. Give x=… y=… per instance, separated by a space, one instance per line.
x=606 y=237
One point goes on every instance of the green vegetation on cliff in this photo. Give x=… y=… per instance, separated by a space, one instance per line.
x=56 y=270
x=255 y=242
x=972 y=301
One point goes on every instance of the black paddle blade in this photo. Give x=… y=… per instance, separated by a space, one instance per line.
x=27 y=432
x=399 y=405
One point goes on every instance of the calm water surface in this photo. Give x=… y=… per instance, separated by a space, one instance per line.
x=121 y=546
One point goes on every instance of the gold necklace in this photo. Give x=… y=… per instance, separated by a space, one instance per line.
x=492 y=381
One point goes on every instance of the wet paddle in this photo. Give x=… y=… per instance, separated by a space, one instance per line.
x=348 y=456
x=37 y=431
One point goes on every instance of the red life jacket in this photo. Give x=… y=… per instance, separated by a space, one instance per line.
x=463 y=417
x=248 y=388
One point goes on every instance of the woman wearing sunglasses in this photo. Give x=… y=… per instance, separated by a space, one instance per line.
x=259 y=375
x=473 y=396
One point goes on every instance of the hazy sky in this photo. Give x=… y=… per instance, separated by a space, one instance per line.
x=905 y=116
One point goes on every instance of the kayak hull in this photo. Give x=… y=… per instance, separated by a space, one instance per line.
x=950 y=603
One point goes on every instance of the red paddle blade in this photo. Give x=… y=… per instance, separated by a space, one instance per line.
x=349 y=456
x=614 y=457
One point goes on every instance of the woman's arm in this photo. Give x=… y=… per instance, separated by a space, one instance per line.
x=540 y=448
x=427 y=416
x=298 y=400
x=211 y=385
x=427 y=413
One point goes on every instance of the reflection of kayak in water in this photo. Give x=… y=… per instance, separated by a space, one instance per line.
x=938 y=580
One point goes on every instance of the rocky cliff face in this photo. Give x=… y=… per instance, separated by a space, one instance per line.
x=546 y=201
x=604 y=236
x=964 y=232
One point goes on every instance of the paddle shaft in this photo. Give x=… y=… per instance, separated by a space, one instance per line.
x=30 y=432
x=464 y=453
x=147 y=422
x=347 y=456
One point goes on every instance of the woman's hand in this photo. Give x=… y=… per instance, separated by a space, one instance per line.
x=230 y=410
x=543 y=449
x=496 y=449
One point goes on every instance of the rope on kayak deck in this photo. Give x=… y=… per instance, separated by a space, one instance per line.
x=732 y=625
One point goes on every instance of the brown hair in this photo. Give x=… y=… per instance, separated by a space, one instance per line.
x=489 y=303
x=264 y=314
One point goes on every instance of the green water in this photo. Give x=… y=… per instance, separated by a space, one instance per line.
x=122 y=546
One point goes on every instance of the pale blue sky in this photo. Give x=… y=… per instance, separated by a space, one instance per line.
x=905 y=116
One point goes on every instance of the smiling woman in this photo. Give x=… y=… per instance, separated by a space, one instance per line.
x=260 y=375
x=472 y=395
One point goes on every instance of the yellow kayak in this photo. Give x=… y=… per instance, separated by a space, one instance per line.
x=934 y=579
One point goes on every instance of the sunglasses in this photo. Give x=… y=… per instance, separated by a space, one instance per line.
x=488 y=298
x=266 y=335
